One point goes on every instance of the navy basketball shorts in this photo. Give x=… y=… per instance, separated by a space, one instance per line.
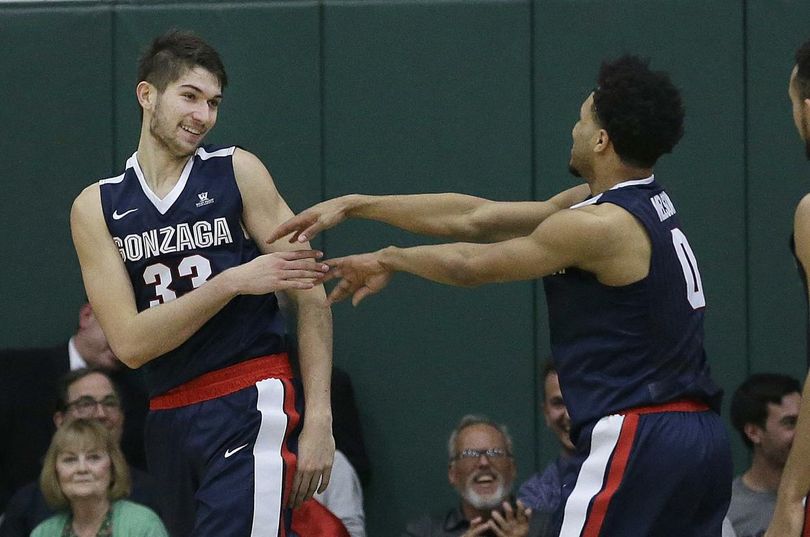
x=656 y=471
x=225 y=464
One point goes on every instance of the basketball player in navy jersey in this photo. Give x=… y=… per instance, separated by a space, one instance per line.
x=790 y=517
x=625 y=305
x=174 y=258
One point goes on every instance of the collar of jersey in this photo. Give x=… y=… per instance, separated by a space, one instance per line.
x=633 y=182
x=165 y=203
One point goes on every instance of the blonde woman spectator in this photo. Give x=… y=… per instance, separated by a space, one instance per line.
x=85 y=477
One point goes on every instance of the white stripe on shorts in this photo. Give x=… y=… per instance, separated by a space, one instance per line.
x=591 y=477
x=268 y=472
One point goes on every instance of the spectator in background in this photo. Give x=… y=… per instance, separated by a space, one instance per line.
x=482 y=470
x=86 y=478
x=82 y=394
x=542 y=491
x=764 y=410
x=27 y=387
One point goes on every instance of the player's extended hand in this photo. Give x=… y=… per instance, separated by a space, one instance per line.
x=306 y=225
x=279 y=271
x=316 y=453
x=787 y=521
x=361 y=275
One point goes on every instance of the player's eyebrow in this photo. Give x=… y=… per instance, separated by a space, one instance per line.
x=199 y=90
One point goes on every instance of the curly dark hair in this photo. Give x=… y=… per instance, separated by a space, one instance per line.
x=171 y=54
x=640 y=109
x=803 y=71
x=749 y=404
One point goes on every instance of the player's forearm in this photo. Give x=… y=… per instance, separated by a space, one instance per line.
x=450 y=264
x=314 y=325
x=461 y=217
x=155 y=331
x=445 y=215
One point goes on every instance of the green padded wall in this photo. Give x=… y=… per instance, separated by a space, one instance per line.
x=777 y=179
x=56 y=116
x=429 y=97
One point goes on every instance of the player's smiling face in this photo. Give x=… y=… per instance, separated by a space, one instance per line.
x=185 y=111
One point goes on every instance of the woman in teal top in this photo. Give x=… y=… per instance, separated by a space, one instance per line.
x=86 y=477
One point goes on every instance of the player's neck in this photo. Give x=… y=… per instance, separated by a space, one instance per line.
x=612 y=173
x=161 y=168
x=762 y=476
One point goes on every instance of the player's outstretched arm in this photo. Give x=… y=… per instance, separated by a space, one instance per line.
x=138 y=337
x=794 y=486
x=455 y=216
x=263 y=210
x=586 y=238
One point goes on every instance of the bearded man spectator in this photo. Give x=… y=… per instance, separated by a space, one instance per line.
x=482 y=470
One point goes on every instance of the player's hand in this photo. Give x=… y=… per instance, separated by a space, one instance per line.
x=361 y=275
x=279 y=271
x=514 y=522
x=787 y=521
x=306 y=225
x=316 y=453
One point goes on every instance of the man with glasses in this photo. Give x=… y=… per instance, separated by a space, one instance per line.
x=82 y=393
x=482 y=470
x=27 y=386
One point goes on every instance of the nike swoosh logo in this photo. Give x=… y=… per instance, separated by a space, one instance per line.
x=229 y=452
x=117 y=216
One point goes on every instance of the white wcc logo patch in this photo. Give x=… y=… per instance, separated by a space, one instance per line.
x=204 y=199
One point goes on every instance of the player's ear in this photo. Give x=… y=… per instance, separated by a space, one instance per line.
x=602 y=141
x=147 y=94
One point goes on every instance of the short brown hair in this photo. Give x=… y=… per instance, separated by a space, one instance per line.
x=170 y=55
x=83 y=433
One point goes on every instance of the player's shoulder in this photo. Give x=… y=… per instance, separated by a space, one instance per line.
x=249 y=171
x=89 y=197
x=803 y=208
x=244 y=160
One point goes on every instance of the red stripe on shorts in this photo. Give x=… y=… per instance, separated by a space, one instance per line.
x=290 y=458
x=621 y=454
x=618 y=464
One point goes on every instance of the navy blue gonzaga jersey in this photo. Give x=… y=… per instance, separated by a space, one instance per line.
x=635 y=345
x=175 y=244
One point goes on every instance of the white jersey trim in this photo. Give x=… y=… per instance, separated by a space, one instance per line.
x=205 y=155
x=591 y=476
x=112 y=180
x=161 y=204
x=634 y=182
x=268 y=472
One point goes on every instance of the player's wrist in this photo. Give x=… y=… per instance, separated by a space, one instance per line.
x=388 y=257
x=228 y=282
x=353 y=205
